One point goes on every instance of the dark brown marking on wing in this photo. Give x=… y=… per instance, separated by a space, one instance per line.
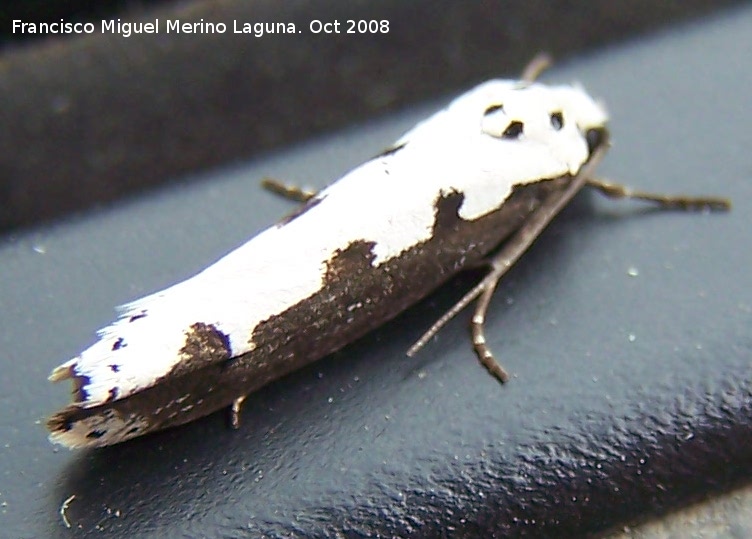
x=354 y=261
x=204 y=344
x=447 y=213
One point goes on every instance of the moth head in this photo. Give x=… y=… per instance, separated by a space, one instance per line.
x=562 y=120
x=589 y=115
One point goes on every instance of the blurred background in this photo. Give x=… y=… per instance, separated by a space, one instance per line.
x=88 y=119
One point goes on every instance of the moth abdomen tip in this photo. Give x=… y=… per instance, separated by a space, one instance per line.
x=61 y=372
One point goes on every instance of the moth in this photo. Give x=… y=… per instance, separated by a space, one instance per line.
x=474 y=184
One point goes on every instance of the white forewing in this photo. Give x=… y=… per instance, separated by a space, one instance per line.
x=389 y=200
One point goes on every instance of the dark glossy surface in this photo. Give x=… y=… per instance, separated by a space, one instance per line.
x=630 y=393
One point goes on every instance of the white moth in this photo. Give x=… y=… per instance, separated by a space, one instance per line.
x=496 y=164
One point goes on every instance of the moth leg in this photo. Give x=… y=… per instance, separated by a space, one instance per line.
x=235 y=412
x=537 y=65
x=292 y=192
x=615 y=190
x=512 y=250
x=446 y=317
x=484 y=290
x=482 y=350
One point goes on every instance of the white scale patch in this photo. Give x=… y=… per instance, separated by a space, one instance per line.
x=389 y=200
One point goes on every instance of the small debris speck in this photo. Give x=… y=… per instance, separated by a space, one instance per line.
x=64 y=508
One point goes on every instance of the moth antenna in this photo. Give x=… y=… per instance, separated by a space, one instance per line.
x=536 y=66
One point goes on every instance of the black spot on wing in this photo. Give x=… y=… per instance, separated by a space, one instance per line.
x=138 y=316
x=513 y=130
x=118 y=344
x=96 y=434
x=557 y=120
x=492 y=109
x=115 y=368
